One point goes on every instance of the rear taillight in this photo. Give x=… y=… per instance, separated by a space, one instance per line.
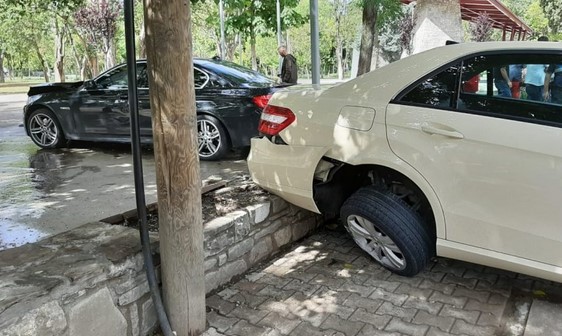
x=261 y=101
x=274 y=119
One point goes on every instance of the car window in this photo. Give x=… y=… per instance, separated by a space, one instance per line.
x=116 y=78
x=200 y=78
x=237 y=74
x=436 y=90
x=512 y=86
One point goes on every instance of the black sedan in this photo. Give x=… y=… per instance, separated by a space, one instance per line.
x=229 y=97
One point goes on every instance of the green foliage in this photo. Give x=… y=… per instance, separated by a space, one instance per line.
x=553 y=11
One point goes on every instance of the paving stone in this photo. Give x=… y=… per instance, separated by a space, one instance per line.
x=461 y=327
x=458 y=302
x=248 y=299
x=489 y=277
x=441 y=287
x=497 y=299
x=280 y=308
x=248 y=286
x=279 y=322
x=422 y=294
x=220 y=322
x=459 y=281
x=336 y=296
x=364 y=291
x=327 y=281
x=430 y=307
x=441 y=322
x=348 y=328
x=437 y=332
x=466 y=315
x=389 y=286
x=273 y=280
x=249 y=314
x=219 y=304
x=303 y=287
x=472 y=294
x=307 y=329
x=432 y=275
x=243 y=328
x=212 y=332
x=406 y=328
x=413 y=281
x=369 y=330
x=275 y=293
x=357 y=301
x=544 y=318
x=489 y=319
x=447 y=266
x=395 y=299
x=378 y=321
x=498 y=288
x=96 y=315
x=388 y=308
x=485 y=307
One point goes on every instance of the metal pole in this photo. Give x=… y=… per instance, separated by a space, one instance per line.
x=279 y=36
x=223 y=42
x=137 y=166
x=314 y=44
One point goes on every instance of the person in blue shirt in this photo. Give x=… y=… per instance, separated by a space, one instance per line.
x=516 y=76
x=534 y=81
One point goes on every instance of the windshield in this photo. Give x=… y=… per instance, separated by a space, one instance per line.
x=238 y=74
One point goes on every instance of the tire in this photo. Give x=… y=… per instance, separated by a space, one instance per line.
x=387 y=229
x=44 y=129
x=212 y=139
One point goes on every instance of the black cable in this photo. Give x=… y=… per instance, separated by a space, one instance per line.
x=137 y=168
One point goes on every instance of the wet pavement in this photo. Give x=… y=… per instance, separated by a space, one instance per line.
x=45 y=192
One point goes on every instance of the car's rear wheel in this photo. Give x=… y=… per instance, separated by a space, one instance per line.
x=44 y=129
x=211 y=138
x=387 y=229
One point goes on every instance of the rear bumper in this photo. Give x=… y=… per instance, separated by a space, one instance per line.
x=287 y=171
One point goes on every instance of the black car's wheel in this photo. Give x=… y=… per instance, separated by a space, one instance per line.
x=387 y=229
x=44 y=129
x=211 y=137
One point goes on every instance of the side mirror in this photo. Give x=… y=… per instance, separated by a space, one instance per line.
x=90 y=84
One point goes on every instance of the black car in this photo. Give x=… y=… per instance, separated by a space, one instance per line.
x=229 y=97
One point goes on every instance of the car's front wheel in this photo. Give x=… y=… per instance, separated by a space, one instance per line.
x=388 y=229
x=44 y=129
x=211 y=138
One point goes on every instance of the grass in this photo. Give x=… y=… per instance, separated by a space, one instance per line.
x=18 y=86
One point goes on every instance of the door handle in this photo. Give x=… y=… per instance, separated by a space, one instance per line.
x=443 y=132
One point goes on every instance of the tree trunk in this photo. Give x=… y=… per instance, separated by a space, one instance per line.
x=174 y=121
x=2 y=79
x=253 y=50
x=84 y=68
x=43 y=62
x=142 y=43
x=367 y=37
x=109 y=50
x=79 y=63
x=93 y=65
x=59 y=52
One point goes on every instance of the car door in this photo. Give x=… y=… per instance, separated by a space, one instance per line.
x=494 y=162
x=100 y=108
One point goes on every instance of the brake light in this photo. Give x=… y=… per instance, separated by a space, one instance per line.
x=274 y=119
x=261 y=101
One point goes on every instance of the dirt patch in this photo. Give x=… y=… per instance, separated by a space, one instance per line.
x=238 y=193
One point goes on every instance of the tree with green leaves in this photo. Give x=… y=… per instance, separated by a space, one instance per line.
x=553 y=11
x=373 y=11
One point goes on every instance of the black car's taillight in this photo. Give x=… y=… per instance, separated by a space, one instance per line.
x=261 y=101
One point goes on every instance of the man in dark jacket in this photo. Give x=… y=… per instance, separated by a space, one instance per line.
x=289 y=68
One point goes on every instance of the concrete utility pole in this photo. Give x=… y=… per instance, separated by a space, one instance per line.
x=314 y=44
x=174 y=124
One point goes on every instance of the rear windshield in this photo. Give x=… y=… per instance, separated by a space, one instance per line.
x=238 y=74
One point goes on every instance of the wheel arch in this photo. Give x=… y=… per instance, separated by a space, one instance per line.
x=345 y=179
x=222 y=123
x=35 y=107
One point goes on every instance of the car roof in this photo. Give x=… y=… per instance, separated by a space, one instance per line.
x=384 y=83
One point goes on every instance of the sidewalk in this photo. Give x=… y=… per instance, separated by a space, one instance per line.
x=327 y=286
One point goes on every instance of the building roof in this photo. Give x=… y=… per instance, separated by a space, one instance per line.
x=501 y=16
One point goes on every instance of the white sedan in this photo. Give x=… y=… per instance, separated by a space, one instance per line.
x=430 y=155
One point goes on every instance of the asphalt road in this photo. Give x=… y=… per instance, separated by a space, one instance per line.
x=45 y=192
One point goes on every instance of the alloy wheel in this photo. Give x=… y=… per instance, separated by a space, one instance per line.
x=43 y=130
x=375 y=242
x=208 y=138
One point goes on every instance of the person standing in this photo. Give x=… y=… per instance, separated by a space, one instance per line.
x=553 y=91
x=534 y=79
x=516 y=76
x=289 y=70
x=501 y=78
